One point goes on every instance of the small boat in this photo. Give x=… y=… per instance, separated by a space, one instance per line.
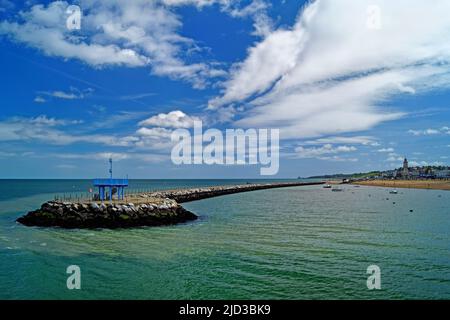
x=336 y=189
x=327 y=186
x=393 y=192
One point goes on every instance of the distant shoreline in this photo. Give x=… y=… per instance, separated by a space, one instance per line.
x=409 y=184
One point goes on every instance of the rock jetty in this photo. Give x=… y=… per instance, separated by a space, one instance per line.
x=146 y=209
x=104 y=215
x=188 y=195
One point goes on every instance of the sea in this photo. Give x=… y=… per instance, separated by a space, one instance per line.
x=291 y=243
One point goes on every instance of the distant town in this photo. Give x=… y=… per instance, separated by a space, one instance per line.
x=404 y=173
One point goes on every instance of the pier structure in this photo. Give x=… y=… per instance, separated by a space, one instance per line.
x=112 y=185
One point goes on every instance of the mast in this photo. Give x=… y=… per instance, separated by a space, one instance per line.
x=110 y=168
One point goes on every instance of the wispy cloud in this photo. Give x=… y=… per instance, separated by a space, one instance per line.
x=117 y=156
x=39 y=99
x=4 y=154
x=331 y=74
x=113 y=33
x=426 y=163
x=386 y=150
x=430 y=132
x=53 y=131
x=72 y=94
x=46 y=130
x=255 y=9
x=138 y=96
x=320 y=152
x=363 y=140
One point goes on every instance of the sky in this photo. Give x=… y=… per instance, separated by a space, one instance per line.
x=353 y=86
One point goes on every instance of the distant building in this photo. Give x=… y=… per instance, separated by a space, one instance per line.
x=443 y=174
x=405 y=170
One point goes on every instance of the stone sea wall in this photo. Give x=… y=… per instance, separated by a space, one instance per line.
x=93 y=215
x=188 y=195
x=151 y=209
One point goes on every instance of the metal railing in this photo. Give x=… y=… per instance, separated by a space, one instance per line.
x=110 y=182
x=87 y=197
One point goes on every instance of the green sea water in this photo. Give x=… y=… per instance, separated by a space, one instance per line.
x=292 y=243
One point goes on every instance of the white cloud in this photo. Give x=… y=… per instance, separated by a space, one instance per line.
x=197 y=3
x=46 y=121
x=393 y=157
x=331 y=74
x=173 y=119
x=4 y=154
x=72 y=94
x=94 y=156
x=39 y=99
x=64 y=95
x=256 y=9
x=386 y=150
x=138 y=96
x=45 y=130
x=426 y=163
x=429 y=132
x=66 y=166
x=364 y=140
x=318 y=152
x=155 y=133
x=158 y=136
x=129 y=33
x=44 y=28
x=117 y=156
x=338 y=159
x=266 y=62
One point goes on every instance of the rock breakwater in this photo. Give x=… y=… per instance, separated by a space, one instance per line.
x=74 y=215
x=146 y=209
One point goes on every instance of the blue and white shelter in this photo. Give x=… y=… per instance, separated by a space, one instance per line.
x=110 y=184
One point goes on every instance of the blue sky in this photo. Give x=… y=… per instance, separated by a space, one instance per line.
x=346 y=96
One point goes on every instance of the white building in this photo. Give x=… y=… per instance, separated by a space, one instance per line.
x=443 y=173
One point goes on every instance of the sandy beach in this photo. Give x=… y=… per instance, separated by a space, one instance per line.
x=412 y=184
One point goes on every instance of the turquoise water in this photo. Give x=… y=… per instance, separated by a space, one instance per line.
x=293 y=243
